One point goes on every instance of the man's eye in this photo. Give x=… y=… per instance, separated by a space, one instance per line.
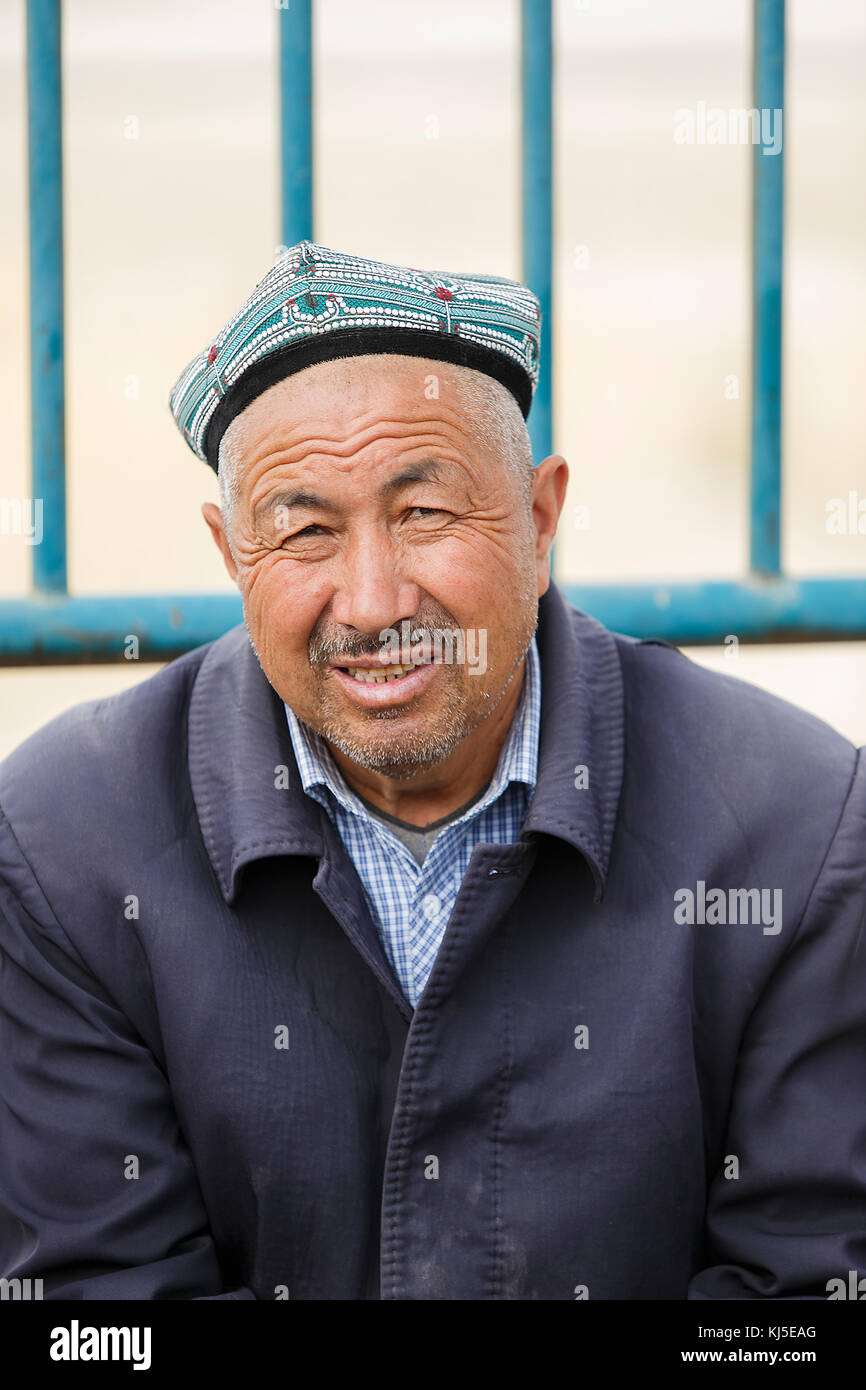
x=428 y=511
x=307 y=531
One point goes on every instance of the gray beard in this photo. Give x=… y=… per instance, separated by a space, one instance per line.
x=402 y=756
x=413 y=752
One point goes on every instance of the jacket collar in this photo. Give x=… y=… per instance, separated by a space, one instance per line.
x=247 y=788
x=580 y=752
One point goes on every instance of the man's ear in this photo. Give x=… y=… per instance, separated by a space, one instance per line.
x=214 y=518
x=549 y=482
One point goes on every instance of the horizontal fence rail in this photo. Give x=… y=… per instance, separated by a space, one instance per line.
x=784 y=610
x=766 y=605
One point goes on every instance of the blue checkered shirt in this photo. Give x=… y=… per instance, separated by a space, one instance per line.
x=410 y=902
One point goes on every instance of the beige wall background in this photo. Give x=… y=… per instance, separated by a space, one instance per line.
x=171 y=218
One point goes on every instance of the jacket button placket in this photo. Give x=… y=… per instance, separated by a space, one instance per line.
x=411 y=1226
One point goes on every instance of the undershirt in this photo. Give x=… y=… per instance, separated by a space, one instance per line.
x=418 y=839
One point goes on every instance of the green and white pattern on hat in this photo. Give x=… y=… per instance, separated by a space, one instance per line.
x=316 y=304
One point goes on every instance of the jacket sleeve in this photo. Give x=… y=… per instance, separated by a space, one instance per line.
x=98 y=1194
x=795 y=1217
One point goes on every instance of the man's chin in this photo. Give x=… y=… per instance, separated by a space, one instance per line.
x=405 y=739
x=398 y=757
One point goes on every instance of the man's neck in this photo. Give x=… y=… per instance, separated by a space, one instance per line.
x=437 y=791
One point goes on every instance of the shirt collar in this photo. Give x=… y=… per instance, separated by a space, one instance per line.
x=517 y=762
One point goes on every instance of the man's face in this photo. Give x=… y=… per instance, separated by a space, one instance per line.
x=368 y=513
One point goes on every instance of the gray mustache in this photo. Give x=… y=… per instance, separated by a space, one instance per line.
x=330 y=648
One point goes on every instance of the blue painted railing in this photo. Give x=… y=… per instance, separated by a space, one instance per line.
x=767 y=226
x=47 y=397
x=765 y=605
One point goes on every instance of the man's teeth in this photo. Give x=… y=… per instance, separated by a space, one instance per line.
x=378 y=675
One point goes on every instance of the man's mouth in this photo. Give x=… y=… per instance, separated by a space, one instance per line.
x=380 y=675
x=366 y=685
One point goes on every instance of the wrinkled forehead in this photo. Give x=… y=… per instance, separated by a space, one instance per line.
x=347 y=396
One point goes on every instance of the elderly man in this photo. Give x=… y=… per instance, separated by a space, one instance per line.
x=420 y=938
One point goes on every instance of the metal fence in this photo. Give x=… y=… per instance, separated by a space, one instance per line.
x=765 y=605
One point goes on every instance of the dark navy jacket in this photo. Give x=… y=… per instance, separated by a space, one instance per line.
x=212 y=1086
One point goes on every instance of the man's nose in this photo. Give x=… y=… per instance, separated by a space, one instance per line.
x=372 y=589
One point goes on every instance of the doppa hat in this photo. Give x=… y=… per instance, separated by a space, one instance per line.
x=316 y=304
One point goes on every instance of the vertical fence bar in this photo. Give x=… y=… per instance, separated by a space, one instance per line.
x=537 y=195
x=45 y=195
x=296 y=121
x=767 y=232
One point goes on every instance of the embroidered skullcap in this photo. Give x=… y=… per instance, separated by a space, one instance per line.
x=315 y=304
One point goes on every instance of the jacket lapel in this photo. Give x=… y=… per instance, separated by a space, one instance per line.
x=251 y=804
x=250 y=801
x=580 y=752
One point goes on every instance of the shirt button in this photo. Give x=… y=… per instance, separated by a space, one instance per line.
x=431 y=906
